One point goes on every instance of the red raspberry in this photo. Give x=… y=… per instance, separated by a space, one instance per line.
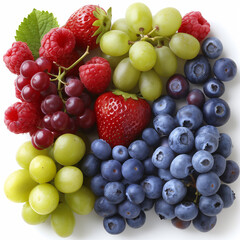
x=95 y=75
x=16 y=55
x=193 y=23
x=21 y=117
x=57 y=43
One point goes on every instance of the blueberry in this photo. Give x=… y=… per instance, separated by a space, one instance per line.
x=111 y=170
x=164 y=124
x=132 y=170
x=206 y=141
x=164 y=210
x=162 y=157
x=114 y=192
x=225 y=69
x=174 y=191
x=114 y=224
x=164 y=104
x=208 y=184
x=97 y=185
x=177 y=86
x=128 y=209
x=120 y=153
x=202 y=161
x=149 y=168
x=152 y=186
x=165 y=174
x=212 y=47
x=211 y=205
x=135 y=193
x=196 y=97
x=231 y=172
x=225 y=145
x=101 y=149
x=147 y=204
x=219 y=165
x=104 y=207
x=227 y=195
x=138 y=221
x=151 y=137
x=186 y=211
x=178 y=223
x=189 y=116
x=213 y=88
x=181 y=166
x=204 y=223
x=90 y=165
x=197 y=70
x=209 y=129
x=181 y=140
x=139 y=150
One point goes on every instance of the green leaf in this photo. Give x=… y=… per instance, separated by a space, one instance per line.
x=34 y=27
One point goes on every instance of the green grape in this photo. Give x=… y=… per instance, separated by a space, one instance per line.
x=69 y=149
x=166 y=64
x=115 y=43
x=113 y=61
x=184 y=45
x=168 y=21
x=125 y=76
x=81 y=201
x=26 y=152
x=18 y=186
x=42 y=169
x=63 y=220
x=142 y=55
x=44 y=198
x=139 y=18
x=68 y=179
x=30 y=216
x=150 y=85
x=121 y=24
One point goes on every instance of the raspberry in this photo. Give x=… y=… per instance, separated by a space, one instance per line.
x=16 y=55
x=57 y=43
x=21 y=117
x=193 y=23
x=95 y=75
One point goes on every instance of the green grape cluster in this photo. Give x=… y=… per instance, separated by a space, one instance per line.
x=143 y=49
x=50 y=184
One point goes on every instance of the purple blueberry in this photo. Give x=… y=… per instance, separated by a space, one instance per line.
x=213 y=88
x=219 y=165
x=97 y=185
x=225 y=145
x=151 y=137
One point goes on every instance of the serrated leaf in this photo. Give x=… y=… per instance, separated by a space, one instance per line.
x=34 y=27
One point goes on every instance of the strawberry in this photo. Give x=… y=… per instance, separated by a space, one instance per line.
x=95 y=75
x=121 y=117
x=88 y=24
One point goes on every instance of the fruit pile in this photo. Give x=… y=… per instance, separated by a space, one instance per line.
x=148 y=150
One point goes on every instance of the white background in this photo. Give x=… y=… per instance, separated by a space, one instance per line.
x=224 y=18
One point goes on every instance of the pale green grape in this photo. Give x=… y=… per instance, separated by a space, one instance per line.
x=18 y=185
x=142 y=55
x=184 y=45
x=26 y=152
x=139 y=18
x=63 y=220
x=125 y=76
x=44 y=198
x=30 y=216
x=168 y=21
x=42 y=169
x=115 y=43
x=113 y=61
x=166 y=64
x=81 y=201
x=68 y=179
x=121 y=24
x=69 y=149
x=150 y=85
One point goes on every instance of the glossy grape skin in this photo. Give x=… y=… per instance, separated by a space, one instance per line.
x=115 y=43
x=196 y=97
x=184 y=45
x=150 y=85
x=63 y=220
x=18 y=186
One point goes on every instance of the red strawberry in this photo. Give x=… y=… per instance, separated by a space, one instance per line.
x=121 y=117
x=88 y=24
x=95 y=75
